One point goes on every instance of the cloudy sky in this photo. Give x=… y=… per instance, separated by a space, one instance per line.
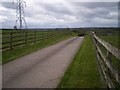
x=62 y=13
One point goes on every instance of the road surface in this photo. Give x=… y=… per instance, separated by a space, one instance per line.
x=43 y=68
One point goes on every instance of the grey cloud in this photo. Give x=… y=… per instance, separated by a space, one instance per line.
x=96 y=5
x=9 y=5
x=58 y=8
x=99 y=10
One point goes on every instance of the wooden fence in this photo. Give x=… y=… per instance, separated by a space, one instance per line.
x=110 y=73
x=12 y=39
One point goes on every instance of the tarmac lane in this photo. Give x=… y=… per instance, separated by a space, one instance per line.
x=43 y=68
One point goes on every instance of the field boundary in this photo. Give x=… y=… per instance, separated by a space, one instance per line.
x=24 y=38
x=108 y=70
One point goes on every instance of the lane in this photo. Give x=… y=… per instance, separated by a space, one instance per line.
x=43 y=68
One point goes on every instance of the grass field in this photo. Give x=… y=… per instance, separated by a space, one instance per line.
x=19 y=51
x=83 y=72
x=113 y=40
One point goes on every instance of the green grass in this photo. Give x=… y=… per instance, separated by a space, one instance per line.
x=113 y=40
x=23 y=50
x=82 y=72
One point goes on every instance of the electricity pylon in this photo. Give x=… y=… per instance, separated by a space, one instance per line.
x=20 y=15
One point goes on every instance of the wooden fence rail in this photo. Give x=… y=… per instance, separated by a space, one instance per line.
x=23 y=38
x=110 y=73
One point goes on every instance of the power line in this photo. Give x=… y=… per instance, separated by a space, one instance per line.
x=20 y=15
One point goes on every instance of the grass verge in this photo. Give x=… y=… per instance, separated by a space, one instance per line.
x=82 y=72
x=21 y=51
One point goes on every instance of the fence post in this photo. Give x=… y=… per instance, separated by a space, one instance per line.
x=26 y=38
x=52 y=34
x=109 y=56
x=42 y=36
x=47 y=35
x=34 y=37
x=11 y=40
